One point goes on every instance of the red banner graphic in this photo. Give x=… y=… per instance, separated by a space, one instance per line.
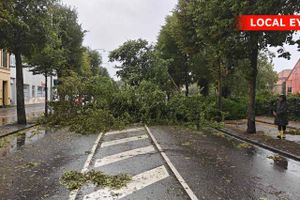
x=268 y=22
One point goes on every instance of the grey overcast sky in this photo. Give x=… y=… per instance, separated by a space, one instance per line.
x=112 y=22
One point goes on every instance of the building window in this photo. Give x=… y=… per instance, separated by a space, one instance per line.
x=26 y=92
x=289 y=89
x=4 y=58
x=12 y=61
x=40 y=92
x=33 y=91
x=1 y=57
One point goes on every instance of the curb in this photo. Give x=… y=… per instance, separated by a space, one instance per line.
x=261 y=121
x=18 y=130
x=270 y=148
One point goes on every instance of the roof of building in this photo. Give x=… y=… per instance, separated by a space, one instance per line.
x=297 y=65
x=284 y=73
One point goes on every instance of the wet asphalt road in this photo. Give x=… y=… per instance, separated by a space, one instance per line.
x=218 y=167
x=9 y=115
x=214 y=166
x=32 y=163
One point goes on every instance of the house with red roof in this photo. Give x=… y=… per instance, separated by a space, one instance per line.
x=282 y=77
x=293 y=80
x=289 y=81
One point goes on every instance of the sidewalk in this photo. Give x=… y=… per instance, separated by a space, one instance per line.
x=12 y=128
x=292 y=124
x=265 y=125
x=266 y=135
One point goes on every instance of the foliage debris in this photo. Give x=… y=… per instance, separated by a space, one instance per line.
x=245 y=146
x=74 y=180
x=293 y=132
x=275 y=157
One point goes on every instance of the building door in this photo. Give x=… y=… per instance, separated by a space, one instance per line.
x=13 y=91
x=4 y=92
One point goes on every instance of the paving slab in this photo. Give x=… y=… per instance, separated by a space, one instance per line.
x=295 y=124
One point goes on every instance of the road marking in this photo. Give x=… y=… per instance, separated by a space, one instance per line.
x=172 y=167
x=124 y=140
x=138 y=182
x=125 y=131
x=123 y=155
x=73 y=193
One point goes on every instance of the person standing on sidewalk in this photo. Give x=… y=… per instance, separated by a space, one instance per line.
x=280 y=113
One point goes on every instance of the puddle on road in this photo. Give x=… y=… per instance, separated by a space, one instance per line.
x=265 y=159
x=14 y=142
x=281 y=164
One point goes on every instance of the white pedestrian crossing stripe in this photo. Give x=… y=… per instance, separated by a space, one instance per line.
x=124 y=140
x=124 y=155
x=125 y=131
x=138 y=182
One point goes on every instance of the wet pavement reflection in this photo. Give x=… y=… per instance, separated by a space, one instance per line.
x=15 y=142
x=9 y=115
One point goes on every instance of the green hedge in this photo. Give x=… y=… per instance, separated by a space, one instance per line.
x=265 y=103
x=294 y=107
x=235 y=108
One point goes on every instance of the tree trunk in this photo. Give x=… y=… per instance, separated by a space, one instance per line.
x=20 y=90
x=219 y=117
x=51 y=91
x=251 y=128
x=46 y=95
x=58 y=79
x=186 y=88
x=51 y=88
x=186 y=75
x=186 y=78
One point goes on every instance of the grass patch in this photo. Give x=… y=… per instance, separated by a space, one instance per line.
x=74 y=180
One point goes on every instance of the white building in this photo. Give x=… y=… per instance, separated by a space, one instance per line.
x=34 y=85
